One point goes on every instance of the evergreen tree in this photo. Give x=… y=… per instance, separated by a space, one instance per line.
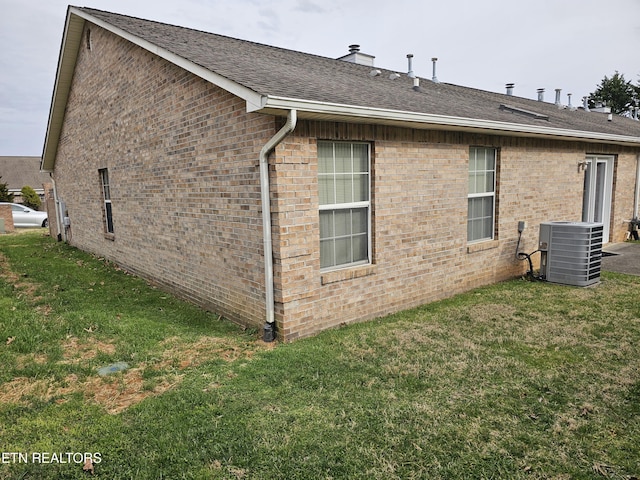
x=30 y=198
x=617 y=93
x=5 y=196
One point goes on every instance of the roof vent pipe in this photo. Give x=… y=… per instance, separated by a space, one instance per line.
x=569 y=106
x=585 y=103
x=510 y=88
x=410 y=73
x=541 y=94
x=416 y=84
x=558 y=102
x=434 y=77
x=354 y=48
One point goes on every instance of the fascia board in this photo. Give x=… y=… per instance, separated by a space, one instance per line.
x=425 y=120
x=71 y=40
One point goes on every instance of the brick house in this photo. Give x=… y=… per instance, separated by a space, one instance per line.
x=280 y=188
x=18 y=172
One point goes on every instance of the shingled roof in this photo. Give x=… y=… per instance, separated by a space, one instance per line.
x=274 y=80
x=18 y=172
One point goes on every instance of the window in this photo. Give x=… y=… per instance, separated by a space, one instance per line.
x=106 y=196
x=344 y=191
x=482 y=194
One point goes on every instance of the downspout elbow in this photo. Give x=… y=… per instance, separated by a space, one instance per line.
x=289 y=126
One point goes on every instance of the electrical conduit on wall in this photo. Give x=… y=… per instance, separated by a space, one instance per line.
x=289 y=126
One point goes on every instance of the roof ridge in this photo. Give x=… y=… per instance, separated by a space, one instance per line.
x=219 y=35
x=273 y=79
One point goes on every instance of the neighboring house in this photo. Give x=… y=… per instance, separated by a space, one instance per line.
x=18 y=172
x=287 y=189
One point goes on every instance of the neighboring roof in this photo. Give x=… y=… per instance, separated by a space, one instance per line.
x=18 y=172
x=274 y=80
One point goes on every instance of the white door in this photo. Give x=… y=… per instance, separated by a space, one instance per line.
x=598 y=186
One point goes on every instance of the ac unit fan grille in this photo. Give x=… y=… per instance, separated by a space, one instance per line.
x=571 y=252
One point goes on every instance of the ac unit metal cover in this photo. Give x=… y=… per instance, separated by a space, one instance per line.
x=571 y=252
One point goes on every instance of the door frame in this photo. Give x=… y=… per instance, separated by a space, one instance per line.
x=598 y=191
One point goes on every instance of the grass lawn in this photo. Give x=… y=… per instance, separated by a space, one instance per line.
x=516 y=380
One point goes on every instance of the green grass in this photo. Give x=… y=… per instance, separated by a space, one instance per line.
x=516 y=380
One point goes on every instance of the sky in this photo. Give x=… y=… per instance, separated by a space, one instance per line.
x=567 y=44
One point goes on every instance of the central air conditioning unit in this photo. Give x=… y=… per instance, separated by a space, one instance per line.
x=571 y=252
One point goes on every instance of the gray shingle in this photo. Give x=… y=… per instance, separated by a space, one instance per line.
x=18 y=172
x=280 y=72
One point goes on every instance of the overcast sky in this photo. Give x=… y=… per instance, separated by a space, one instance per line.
x=568 y=44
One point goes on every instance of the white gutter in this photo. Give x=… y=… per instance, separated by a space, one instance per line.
x=373 y=115
x=269 y=327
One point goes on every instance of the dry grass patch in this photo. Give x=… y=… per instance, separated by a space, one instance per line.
x=59 y=380
x=75 y=351
x=183 y=354
x=117 y=392
x=20 y=284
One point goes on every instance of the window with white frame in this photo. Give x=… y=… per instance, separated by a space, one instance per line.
x=344 y=197
x=482 y=194
x=106 y=197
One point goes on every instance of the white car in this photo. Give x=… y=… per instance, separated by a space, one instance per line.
x=27 y=217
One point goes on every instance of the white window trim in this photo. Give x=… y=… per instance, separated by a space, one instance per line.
x=347 y=206
x=588 y=209
x=485 y=195
x=104 y=172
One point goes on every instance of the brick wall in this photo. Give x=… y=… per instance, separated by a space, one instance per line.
x=624 y=179
x=182 y=157
x=7 y=216
x=419 y=201
x=49 y=206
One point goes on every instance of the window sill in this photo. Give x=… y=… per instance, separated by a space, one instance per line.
x=110 y=236
x=482 y=246
x=348 y=274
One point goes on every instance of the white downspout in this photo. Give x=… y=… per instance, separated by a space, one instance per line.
x=57 y=207
x=269 y=326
